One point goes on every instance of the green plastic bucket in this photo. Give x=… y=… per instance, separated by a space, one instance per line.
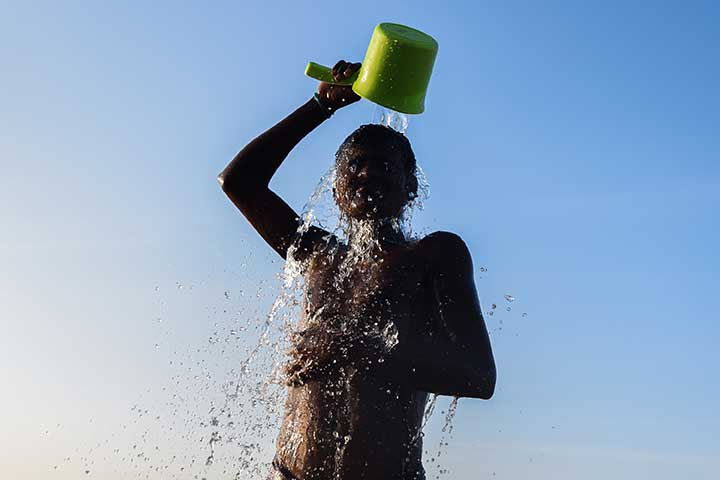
x=396 y=70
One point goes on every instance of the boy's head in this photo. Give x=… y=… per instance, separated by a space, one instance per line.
x=375 y=168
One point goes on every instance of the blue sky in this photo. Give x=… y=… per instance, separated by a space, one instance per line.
x=573 y=145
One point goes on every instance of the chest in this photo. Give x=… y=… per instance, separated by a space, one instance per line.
x=386 y=285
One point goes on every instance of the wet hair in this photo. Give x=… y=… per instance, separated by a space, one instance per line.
x=382 y=137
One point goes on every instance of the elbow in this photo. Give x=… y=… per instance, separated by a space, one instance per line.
x=237 y=186
x=234 y=178
x=240 y=174
x=225 y=181
x=221 y=180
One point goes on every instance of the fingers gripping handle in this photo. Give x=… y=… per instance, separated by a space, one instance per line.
x=324 y=74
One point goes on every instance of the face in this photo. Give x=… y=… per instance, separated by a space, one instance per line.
x=371 y=183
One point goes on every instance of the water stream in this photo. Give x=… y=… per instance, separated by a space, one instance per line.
x=391 y=118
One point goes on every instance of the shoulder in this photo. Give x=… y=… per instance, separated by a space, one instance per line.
x=444 y=239
x=445 y=250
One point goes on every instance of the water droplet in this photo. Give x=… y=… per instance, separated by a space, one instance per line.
x=509 y=298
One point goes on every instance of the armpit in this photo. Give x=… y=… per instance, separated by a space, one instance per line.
x=311 y=242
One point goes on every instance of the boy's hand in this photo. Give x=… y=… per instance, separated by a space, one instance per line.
x=338 y=96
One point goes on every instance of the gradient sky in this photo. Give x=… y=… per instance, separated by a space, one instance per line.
x=573 y=145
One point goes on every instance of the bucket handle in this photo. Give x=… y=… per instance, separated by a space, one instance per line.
x=324 y=74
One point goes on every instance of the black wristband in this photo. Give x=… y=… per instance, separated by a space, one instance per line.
x=327 y=110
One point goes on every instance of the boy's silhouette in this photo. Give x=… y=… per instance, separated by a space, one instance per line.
x=356 y=396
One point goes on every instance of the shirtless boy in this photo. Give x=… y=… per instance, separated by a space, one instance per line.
x=355 y=402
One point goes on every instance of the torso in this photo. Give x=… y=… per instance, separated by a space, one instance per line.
x=352 y=422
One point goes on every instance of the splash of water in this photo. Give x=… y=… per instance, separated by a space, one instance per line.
x=360 y=239
x=390 y=118
x=233 y=416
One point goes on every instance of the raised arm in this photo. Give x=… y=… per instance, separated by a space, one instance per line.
x=457 y=359
x=247 y=177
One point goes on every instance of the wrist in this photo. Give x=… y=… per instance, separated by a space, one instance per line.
x=327 y=109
